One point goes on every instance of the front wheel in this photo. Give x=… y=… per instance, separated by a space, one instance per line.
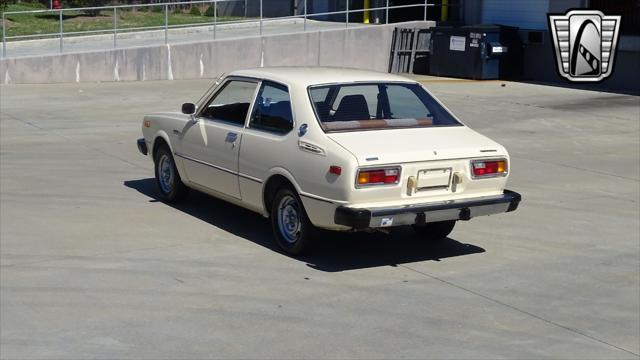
x=292 y=229
x=435 y=231
x=168 y=179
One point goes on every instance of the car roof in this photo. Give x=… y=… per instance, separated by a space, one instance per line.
x=316 y=75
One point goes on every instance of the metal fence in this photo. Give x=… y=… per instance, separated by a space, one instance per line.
x=165 y=8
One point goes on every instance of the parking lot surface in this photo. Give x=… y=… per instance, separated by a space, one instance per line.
x=93 y=266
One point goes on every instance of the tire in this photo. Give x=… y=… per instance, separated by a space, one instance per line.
x=292 y=230
x=435 y=231
x=168 y=181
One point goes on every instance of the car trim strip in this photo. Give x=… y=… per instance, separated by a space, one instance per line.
x=314 y=197
x=220 y=168
x=207 y=164
x=250 y=178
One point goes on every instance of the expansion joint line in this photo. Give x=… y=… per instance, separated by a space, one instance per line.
x=575 y=331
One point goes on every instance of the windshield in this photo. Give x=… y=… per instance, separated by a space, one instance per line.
x=373 y=106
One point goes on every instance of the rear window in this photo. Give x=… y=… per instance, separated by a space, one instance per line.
x=374 y=106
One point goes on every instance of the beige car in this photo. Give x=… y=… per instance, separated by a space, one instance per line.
x=331 y=148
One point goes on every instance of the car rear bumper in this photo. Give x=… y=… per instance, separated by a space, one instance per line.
x=465 y=209
x=142 y=146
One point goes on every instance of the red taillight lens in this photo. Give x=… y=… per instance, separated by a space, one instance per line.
x=379 y=176
x=487 y=168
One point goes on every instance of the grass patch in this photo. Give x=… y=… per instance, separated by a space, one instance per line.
x=25 y=7
x=75 y=21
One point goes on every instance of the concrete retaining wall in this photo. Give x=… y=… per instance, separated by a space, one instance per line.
x=364 y=47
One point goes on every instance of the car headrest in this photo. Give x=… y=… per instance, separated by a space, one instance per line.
x=352 y=107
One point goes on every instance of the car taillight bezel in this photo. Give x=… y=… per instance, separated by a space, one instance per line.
x=491 y=175
x=376 y=168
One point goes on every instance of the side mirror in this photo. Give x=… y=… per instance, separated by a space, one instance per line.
x=188 y=108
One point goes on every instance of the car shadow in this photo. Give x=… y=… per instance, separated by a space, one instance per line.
x=334 y=251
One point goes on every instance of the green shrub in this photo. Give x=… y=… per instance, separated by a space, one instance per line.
x=195 y=11
x=157 y=9
x=210 y=11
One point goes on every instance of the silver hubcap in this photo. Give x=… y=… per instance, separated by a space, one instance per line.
x=289 y=219
x=165 y=173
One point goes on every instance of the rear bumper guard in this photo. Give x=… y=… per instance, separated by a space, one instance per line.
x=464 y=209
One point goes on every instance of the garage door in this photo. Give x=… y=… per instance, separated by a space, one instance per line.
x=525 y=14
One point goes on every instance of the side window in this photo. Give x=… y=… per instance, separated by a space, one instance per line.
x=272 y=111
x=232 y=103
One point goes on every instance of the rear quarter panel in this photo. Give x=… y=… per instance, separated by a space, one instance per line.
x=264 y=155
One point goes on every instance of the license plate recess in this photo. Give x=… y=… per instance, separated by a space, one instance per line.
x=434 y=178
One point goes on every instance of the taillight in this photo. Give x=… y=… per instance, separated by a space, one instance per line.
x=489 y=168
x=383 y=176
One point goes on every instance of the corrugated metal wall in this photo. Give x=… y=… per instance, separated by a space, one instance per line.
x=525 y=14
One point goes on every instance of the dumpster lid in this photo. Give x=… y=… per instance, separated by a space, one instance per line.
x=481 y=28
x=488 y=27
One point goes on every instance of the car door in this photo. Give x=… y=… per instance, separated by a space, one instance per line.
x=211 y=144
x=266 y=142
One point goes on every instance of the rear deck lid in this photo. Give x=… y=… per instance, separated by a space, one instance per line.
x=396 y=146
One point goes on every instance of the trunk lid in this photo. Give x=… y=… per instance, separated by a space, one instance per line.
x=397 y=146
x=430 y=159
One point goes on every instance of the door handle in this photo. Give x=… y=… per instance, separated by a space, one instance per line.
x=177 y=132
x=231 y=137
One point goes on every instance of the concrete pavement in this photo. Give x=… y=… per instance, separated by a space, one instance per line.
x=93 y=266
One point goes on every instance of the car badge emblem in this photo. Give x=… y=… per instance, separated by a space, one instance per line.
x=585 y=43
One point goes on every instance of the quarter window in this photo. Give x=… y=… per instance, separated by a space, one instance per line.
x=272 y=111
x=232 y=103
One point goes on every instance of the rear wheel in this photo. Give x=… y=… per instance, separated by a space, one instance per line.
x=435 y=231
x=168 y=179
x=292 y=229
